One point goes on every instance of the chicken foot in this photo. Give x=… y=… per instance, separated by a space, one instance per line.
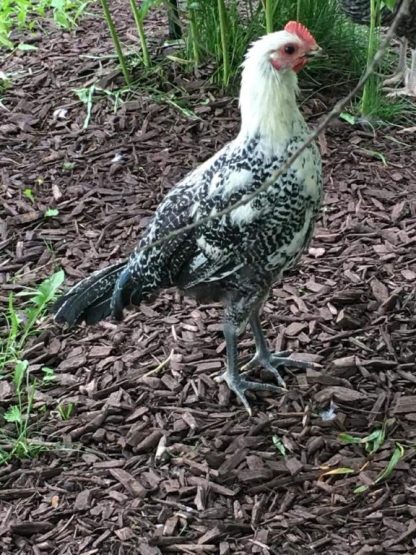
x=271 y=362
x=409 y=88
x=232 y=377
x=398 y=76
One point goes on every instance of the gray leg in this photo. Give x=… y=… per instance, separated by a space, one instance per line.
x=271 y=361
x=231 y=376
x=409 y=88
x=410 y=77
x=401 y=68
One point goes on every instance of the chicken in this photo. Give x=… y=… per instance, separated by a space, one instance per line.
x=359 y=11
x=237 y=257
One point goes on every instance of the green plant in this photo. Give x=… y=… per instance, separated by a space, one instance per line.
x=19 y=413
x=28 y=193
x=269 y=6
x=278 y=443
x=193 y=32
x=22 y=324
x=67 y=12
x=222 y=31
x=372 y=443
x=222 y=14
x=4 y=79
x=116 y=41
x=26 y=14
x=370 y=90
x=48 y=375
x=139 y=14
x=398 y=453
x=65 y=410
x=51 y=213
x=86 y=95
x=68 y=166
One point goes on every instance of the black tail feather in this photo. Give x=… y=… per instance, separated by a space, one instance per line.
x=123 y=293
x=89 y=299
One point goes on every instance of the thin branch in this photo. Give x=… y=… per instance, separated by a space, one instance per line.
x=337 y=109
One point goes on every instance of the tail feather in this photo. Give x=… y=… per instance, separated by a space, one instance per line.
x=128 y=290
x=89 y=299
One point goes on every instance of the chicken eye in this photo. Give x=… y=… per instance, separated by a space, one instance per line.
x=290 y=49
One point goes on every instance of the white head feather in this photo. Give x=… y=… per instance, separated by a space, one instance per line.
x=268 y=95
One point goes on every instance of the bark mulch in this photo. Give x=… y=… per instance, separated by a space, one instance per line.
x=157 y=458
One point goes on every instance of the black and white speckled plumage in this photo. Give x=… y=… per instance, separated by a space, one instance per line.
x=248 y=246
x=235 y=258
x=359 y=11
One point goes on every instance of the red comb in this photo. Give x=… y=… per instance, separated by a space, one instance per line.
x=300 y=30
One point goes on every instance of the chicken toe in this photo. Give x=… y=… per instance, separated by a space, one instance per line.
x=239 y=386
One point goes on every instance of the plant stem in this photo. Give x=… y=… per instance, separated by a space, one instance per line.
x=140 y=30
x=194 y=32
x=225 y=54
x=370 y=86
x=298 y=9
x=268 y=12
x=116 y=41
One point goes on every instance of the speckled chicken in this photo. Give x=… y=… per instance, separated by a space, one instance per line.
x=359 y=11
x=234 y=258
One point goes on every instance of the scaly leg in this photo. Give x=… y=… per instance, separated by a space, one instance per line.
x=401 y=68
x=409 y=88
x=271 y=361
x=231 y=376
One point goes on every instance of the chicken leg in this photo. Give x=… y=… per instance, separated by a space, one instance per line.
x=271 y=361
x=231 y=376
x=401 y=67
x=409 y=88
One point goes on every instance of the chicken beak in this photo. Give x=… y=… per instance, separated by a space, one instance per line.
x=316 y=52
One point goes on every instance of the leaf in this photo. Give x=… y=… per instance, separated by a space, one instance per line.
x=13 y=414
x=26 y=47
x=19 y=373
x=347 y=438
x=5 y=41
x=86 y=95
x=146 y=5
x=361 y=489
x=277 y=442
x=371 y=437
x=376 y=154
x=48 y=374
x=340 y=470
x=51 y=284
x=349 y=118
x=378 y=439
x=373 y=441
x=398 y=453
x=63 y=20
x=51 y=212
x=390 y=4
x=28 y=193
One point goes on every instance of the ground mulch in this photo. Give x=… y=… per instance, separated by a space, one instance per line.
x=158 y=458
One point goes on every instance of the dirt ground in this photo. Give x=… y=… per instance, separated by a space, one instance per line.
x=164 y=460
